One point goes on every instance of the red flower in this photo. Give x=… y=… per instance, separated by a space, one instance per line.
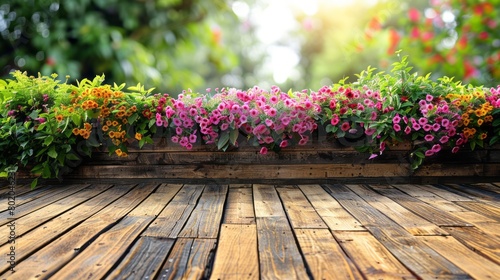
x=345 y=126
x=414 y=14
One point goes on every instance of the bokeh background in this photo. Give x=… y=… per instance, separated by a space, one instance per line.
x=174 y=45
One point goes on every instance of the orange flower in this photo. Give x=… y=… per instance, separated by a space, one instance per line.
x=111 y=134
x=105 y=128
x=76 y=131
x=483 y=136
x=119 y=152
x=138 y=136
x=59 y=118
x=115 y=123
x=108 y=123
x=479 y=122
x=87 y=126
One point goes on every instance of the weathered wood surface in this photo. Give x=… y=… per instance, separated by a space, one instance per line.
x=255 y=231
x=321 y=160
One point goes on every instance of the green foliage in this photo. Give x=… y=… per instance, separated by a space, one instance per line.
x=153 y=42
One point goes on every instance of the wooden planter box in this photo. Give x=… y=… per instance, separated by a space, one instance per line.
x=323 y=160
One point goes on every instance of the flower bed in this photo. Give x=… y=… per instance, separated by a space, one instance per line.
x=49 y=125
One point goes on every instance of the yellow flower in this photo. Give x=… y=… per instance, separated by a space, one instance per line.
x=138 y=136
x=483 y=136
x=59 y=118
x=479 y=122
x=105 y=128
x=119 y=152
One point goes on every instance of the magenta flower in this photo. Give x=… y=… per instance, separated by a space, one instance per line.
x=263 y=150
x=396 y=119
x=396 y=127
x=455 y=149
x=429 y=153
x=422 y=121
x=436 y=148
x=429 y=98
x=444 y=139
x=345 y=126
x=429 y=137
x=407 y=130
x=284 y=144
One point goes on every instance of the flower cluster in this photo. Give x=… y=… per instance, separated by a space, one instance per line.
x=47 y=124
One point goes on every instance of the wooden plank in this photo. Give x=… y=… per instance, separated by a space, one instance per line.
x=155 y=202
x=33 y=205
x=145 y=259
x=414 y=254
x=435 y=190
x=239 y=206
x=487 y=186
x=332 y=213
x=477 y=266
x=482 y=208
x=236 y=256
x=52 y=210
x=371 y=257
x=171 y=220
x=323 y=255
x=477 y=192
x=205 y=220
x=188 y=259
x=167 y=188
x=52 y=257
x=243 y=171
x=426 y=211
x=431 y=198
x=300 y=212
x=484 y=223
x=100 y=256
x=267 y=202
x=403 y=217
x=479 y=241
x=279 y=255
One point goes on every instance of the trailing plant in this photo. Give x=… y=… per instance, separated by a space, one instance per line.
x=49 y=126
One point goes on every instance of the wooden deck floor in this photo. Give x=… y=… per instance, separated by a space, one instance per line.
x=175 y=231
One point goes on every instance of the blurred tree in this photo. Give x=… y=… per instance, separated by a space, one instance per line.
x=168 y=44
x=457 y=38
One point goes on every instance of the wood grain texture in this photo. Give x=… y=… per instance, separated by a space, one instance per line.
x=332 y=213
x=371 y=257
x=145 y=259
x=280 y=257
x=481 y=242
x=205 y=219
x=323 y=255
x=236 y=256
x=298 y=209
x=239 y=206
x=188 y=259
x=468 y=260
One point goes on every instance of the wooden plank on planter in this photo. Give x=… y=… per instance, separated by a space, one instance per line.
x=477 y=266
x=171 y=220
x=482 y=208
x=34 y=205
x=403 y=217
x=279 y=255
x=409 y=250
x=99 y=257
x=298 y=209
x=371 y=257
x=67 y=246
x=205 y=219
x=481 y=242
x=455 y=170
x=267 y=202
x=144 y=260
x=188 y=259
x=236 y=256
x=239 y=206
x=424 y=210
x=323 y=255
x=334 y=215
x=53 y=208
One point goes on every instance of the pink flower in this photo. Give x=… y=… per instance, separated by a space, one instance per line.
x=407 y=130
x=263 y=150
x=436 y=127
x=429 y=137
x=224 y=126
x=396 y=119
x=373 y=116
x=422 y=121
x=444 y=139
x=396 y=127
x=335 y=120
x=175 y=139
x=192 y=138
x=429 y=98
x=429 y=153
x=416 y=127
x=370 y=131
x=382 y=147
x=283 y=144
x=372 y=156
x=455 y=149
x=436 y=148
x=345 y=126
x=427 y=127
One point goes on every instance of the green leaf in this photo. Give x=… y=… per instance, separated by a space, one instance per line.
x=52 y=152
x=233 y=137
x=34 y=183
x=223 y=141
x=48 y=140
x=77 y=119
x=419 y=154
